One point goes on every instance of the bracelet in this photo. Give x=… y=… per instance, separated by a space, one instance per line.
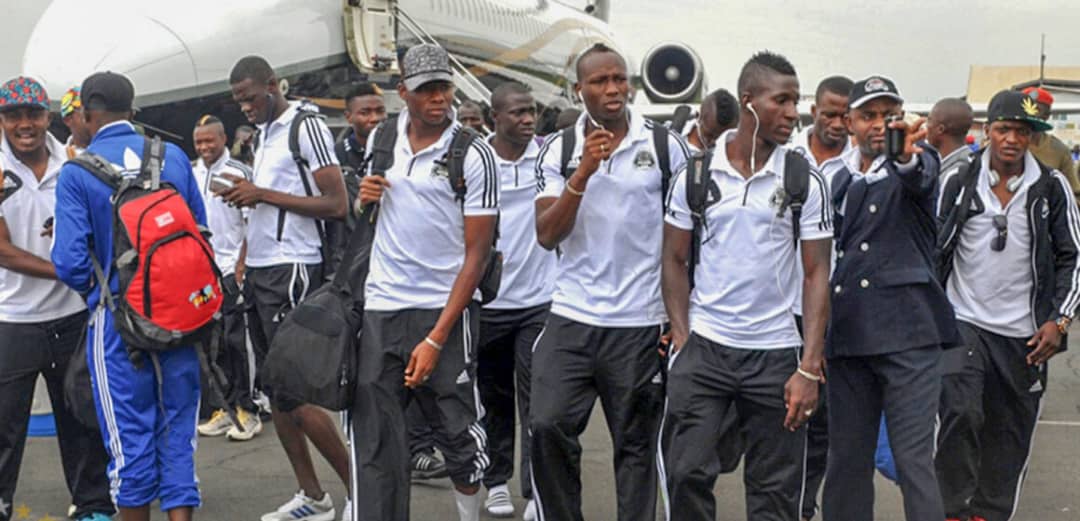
x=432 y=343
x=570 y=188
x=808 y=375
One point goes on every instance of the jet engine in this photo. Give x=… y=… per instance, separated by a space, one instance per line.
x=672 y=73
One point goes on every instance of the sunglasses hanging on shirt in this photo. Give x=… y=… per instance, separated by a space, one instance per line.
x=1001 y=225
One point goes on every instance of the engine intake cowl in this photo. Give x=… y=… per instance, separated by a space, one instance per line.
x=672 y=73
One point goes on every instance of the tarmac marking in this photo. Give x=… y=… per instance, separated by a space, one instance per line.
x=1060 y=423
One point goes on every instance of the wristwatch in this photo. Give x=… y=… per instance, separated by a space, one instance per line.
x=1063 y=324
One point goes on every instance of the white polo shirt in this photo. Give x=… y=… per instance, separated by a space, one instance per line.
x=528 y=269
x=226 y=223
x=419 y=245
x=828 y=169
x=275 y=236
x=26 y=207
x=992 y=289
x=609 y=271
x=746 y=281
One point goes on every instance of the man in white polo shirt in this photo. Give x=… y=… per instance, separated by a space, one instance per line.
x=285 y=259
x=601 y=338
x=420 y=319
x=1008 y=258
x=734 y=339
x=510 y=324
x=227 y=224
x=41 y=319
x=823 y=144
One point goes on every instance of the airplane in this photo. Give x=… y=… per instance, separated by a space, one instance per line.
x=179 y=54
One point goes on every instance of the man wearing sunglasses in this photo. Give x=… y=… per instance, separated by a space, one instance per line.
x=1007 y=255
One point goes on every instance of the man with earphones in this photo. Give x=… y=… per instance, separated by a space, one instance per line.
x=735 y=344
x=605 y=214
x=890 y=318
x=1009 y=233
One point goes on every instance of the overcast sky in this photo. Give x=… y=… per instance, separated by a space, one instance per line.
x=927 y=46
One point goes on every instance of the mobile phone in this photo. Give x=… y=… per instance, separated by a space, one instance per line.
x=220 y=184
x=894 y=137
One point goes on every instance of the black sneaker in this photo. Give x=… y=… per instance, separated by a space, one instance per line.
x=426 y=465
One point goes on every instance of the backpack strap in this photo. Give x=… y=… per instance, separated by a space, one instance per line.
x=382 y=147
x=303 y=168
x=796 y=188
x=663 y=157
x=152 y=160
x=455 y=166
x=99 y=167
x=698 y=178
x=569 y=141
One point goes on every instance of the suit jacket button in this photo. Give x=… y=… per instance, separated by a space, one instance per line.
x=840 y=254
x=864 y=283
x=864 y=246
x=873 y=208
x=837 y=289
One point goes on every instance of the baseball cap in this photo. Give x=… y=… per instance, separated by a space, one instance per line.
x=1009 y=105
x=872 y=88
x=70 y=102
x=23 y=92
x=1040 y=95
x=425 y=63
x=107 y=91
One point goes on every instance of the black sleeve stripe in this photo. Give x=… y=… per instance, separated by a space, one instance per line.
x=318 y=146
x=540 y=182
x=490 y=195
x=1068 y=306
x=826 y=219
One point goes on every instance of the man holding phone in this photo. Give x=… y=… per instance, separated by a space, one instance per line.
x=601 y=337
x=226 y=222
x=890 y=318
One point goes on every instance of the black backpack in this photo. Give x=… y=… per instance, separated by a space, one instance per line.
x=382 y=158
x=699 y=182
x=660 y=135
x=332 y=234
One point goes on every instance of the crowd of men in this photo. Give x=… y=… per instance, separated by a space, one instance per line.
x=736 y=292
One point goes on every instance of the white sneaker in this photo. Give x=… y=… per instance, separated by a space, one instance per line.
x=303 y=508
x=498 y=501
x=263 y=401
x=530 y=511
x=251 y=423
x=218 y=424
x=346 y=513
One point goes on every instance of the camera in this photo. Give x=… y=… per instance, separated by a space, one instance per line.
x=894 y=137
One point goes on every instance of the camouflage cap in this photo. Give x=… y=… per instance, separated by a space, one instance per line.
x=425 y=63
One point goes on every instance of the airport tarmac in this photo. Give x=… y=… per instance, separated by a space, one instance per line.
x=241 y=481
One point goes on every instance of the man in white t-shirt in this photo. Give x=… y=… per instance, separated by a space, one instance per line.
x=227 y=226
x=510 y=324
x=420 y=316
x=41 y=319
x=285 y=258
x=735 y=344
x=602 y=336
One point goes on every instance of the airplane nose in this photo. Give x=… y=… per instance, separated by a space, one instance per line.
x=71 y=41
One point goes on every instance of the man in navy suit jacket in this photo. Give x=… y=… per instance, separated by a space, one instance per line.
x=890 y=318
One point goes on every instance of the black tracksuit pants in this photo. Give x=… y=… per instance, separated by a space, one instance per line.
x=505 y=356
x=906 y=386
x=380 y=449
x=27 y=350
x=234 y=357
x=817 y=448
x=702 y=438
x=990 y=401
x=574 y=363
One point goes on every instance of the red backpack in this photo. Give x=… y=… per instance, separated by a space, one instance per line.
x=170 y=287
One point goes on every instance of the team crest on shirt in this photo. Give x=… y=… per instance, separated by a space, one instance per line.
x=440 y=169
x=12 y=184
x=644 y=160
x=777 y=198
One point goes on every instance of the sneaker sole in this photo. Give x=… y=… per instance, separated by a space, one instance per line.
x=429 y=474
x=322 y=516
x=502 y=514
x=213 y=434
x=246 y=435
